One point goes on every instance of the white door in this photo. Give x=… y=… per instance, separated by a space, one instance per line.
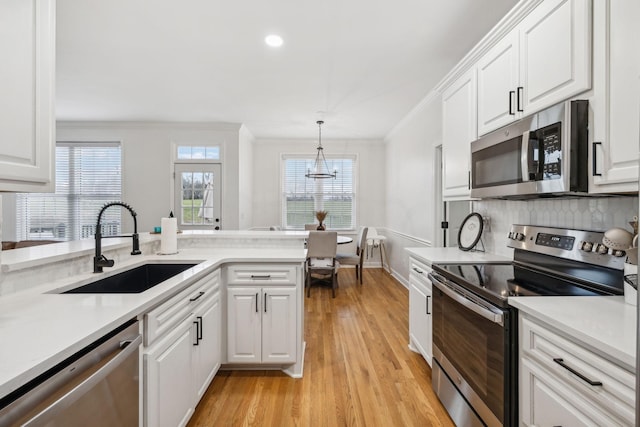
x=169 y=393
x=279 y=325
x=555 y=53
x=459 y=129
x=497 y=85
x=198 y=189
x=207 y=350
x=244 y=336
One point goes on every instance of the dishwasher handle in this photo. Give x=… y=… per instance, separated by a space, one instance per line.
x=484 y=311
x=127 y=348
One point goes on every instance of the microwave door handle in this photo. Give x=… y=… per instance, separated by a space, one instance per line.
x=524 y=156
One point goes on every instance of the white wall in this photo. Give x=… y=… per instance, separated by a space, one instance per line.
x=245 y=178
x=411 y=179
x=147 y=155
x=370 y=180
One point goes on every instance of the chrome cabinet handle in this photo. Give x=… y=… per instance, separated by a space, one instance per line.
x=560 y=362
x=428 y=296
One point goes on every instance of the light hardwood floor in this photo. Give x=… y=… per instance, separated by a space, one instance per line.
x=358 y=369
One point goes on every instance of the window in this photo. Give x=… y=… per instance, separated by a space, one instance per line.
x=188 y=152
x=88 y=175
x=303 y=196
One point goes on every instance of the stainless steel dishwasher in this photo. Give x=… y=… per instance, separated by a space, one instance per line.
x=98 y=386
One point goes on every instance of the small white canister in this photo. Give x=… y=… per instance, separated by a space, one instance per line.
x=630 y=283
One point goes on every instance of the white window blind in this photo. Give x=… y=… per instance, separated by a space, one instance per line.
x=88 y=175
x=303 y=196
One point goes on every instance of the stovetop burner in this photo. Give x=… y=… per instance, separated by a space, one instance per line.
x=547 y=262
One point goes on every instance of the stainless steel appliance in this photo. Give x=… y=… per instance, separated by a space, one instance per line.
x=98 y=386
x=475 y=331
x=543 y=154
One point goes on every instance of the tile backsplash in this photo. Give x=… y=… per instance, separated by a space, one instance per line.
x=588 y=213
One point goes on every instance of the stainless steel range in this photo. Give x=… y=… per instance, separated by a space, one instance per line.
x=475 y=331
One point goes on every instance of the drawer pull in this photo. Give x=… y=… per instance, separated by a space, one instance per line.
x=560 y=362
x=260 y=276
x=198 y=297
x=417 y=270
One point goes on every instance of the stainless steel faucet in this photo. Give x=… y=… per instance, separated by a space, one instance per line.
x=99 y=260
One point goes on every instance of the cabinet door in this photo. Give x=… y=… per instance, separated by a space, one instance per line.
x=169 y=397
x=279 y=325
x=615 y=102
x=420 y=306
x=497 y=84
x=546 y=402
x=244 y=336
x=27 y=83
x=555 y=53
x=459 y=129
x=207 y=350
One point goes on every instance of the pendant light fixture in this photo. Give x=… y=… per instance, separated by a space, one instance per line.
x=320 y=168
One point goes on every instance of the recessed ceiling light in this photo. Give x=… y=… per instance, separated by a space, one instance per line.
x=273 y=40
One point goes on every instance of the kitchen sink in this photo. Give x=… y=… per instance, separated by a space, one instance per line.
x=133 y=281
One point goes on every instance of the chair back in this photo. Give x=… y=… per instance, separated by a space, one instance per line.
x=275 y=228
x=362 y=239
x=322 y=244
x=309 y=227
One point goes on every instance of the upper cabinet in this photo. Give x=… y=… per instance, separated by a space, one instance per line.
x=616 y=97
x=544 y=60
x=27 y=84
x=459 y=123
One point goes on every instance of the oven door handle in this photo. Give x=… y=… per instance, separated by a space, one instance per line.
x=466 y=302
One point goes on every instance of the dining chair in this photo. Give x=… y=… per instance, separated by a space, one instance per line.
x=321 y=263
x=310 y=227
x=375 y=240
x=356 y=259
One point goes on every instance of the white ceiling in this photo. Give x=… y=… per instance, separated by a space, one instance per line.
x=361 y=65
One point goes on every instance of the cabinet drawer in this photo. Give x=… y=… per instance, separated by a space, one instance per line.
x=613 y=387
x=419 y=271
x=262 y=274
x=164 y=317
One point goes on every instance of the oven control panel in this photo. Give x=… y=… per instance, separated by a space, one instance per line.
x=579 y=245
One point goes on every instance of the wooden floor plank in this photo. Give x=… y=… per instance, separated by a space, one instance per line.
x=358 y=369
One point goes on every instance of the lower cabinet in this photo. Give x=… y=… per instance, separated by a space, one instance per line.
x=564 y=383
x=420 y=309
x=261 y=325
x=180 y=364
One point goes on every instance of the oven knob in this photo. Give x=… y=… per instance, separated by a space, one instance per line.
x=520 y=237
x=587 y=246
x=602 y=249
x=618 y=253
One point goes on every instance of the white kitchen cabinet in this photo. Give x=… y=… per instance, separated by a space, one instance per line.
x=544 y=60
x=27 y=85
x=181 y=361
x=497 y=84
x=459 y=129
x=168 y=387
x=261 y=324
x=420 y=309
x=615 y=102
x=564 y=382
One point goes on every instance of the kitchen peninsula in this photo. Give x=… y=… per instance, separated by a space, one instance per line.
x=40 y=327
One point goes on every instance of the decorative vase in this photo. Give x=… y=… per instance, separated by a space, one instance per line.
x=320 y=227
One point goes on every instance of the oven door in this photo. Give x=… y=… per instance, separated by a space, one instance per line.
x=472 y=346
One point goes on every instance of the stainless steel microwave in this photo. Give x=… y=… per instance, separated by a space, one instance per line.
x=544 y=154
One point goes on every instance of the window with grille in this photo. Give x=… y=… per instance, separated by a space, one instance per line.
x=302 y=196
x=88 y=175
